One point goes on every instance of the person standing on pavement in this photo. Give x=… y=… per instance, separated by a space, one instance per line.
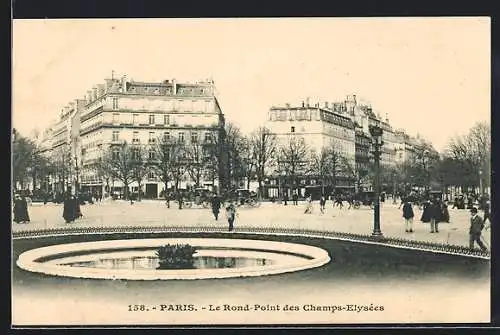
x=285 y=198
x=308 y=205
x=216 y=206
x=295 y=198
x=69 y=208
x=476 y=227
x=445 y=212
x=487 y=215
x=408 y=215
x=434 y=216
x=21 y=214
x=179 y=199
x=231 y=214
x=322 y=203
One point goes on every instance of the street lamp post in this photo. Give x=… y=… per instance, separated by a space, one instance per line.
x=481 y=182
x=376 y=133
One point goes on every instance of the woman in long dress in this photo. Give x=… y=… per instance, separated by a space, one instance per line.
x=21 y=209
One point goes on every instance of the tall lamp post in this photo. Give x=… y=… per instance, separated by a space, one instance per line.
x=376 y=133
x=480 y=182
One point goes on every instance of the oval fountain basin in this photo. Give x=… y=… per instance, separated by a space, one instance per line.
x=135 y=259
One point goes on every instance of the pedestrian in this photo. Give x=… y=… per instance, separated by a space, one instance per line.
x=322 y=203
x=167 y=199
x=455 y=203
x=408 y=215
x=295 y=198
x=78 y=210
x=487 y=215
x=231 y=214
x=21 y=214
x=308 y=209
x=216 y=206
x=434 y=216
x=339 y=201
x=179 y=199
x=445 y=213
x=69 y=208
x=285 y=198
x=476 y=227
x=426 y=218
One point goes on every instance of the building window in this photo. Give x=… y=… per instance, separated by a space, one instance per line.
x=208 y=137
x=151 y=155
x=151 y=137
x=135 y=118
x=151 y=119
x=181 y=137
x=166 y=119
x=194 y=137
x=135 y=137
x=116 y=135
x=116 y=154
x=151 y=175
x=136 y=153
x=292 y=129
x=166 y=136
x=115 y=103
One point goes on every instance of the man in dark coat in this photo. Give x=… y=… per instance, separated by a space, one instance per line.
x=408 y=216
x=434 y=215
x=216 y=206
x=21 y=209
x=476 y=227
x=295 y=198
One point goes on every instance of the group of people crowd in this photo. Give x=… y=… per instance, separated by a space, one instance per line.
x=436 y=211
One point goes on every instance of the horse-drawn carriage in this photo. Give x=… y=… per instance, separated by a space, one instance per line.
x=243 y=197
x=199 y=197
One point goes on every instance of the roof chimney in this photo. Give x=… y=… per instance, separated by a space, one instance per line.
x=303 y=104
x=307 y=102
x=326 y=104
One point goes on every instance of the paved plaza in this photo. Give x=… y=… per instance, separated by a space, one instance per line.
x=269 y=215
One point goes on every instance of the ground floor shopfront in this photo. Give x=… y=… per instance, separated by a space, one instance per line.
x=148 y=190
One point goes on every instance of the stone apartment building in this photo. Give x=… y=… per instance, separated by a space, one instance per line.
x=139 y=113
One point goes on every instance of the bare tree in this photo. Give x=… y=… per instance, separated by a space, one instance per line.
x=170 y=161
x=61 y=158
x=473 y=152
x=294 y=158
x=196 y=162
x=119 y=159
x=264 y=148
x=140 y=166
x=23 y=150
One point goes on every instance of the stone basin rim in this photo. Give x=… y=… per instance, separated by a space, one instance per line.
x=28 y=260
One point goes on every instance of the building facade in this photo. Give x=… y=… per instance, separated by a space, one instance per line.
x=139 y=113
x=343 y=126
x=319 y=127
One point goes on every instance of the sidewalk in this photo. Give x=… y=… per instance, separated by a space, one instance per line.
x=153 y=213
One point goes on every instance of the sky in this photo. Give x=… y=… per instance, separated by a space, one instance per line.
x=431 y=76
